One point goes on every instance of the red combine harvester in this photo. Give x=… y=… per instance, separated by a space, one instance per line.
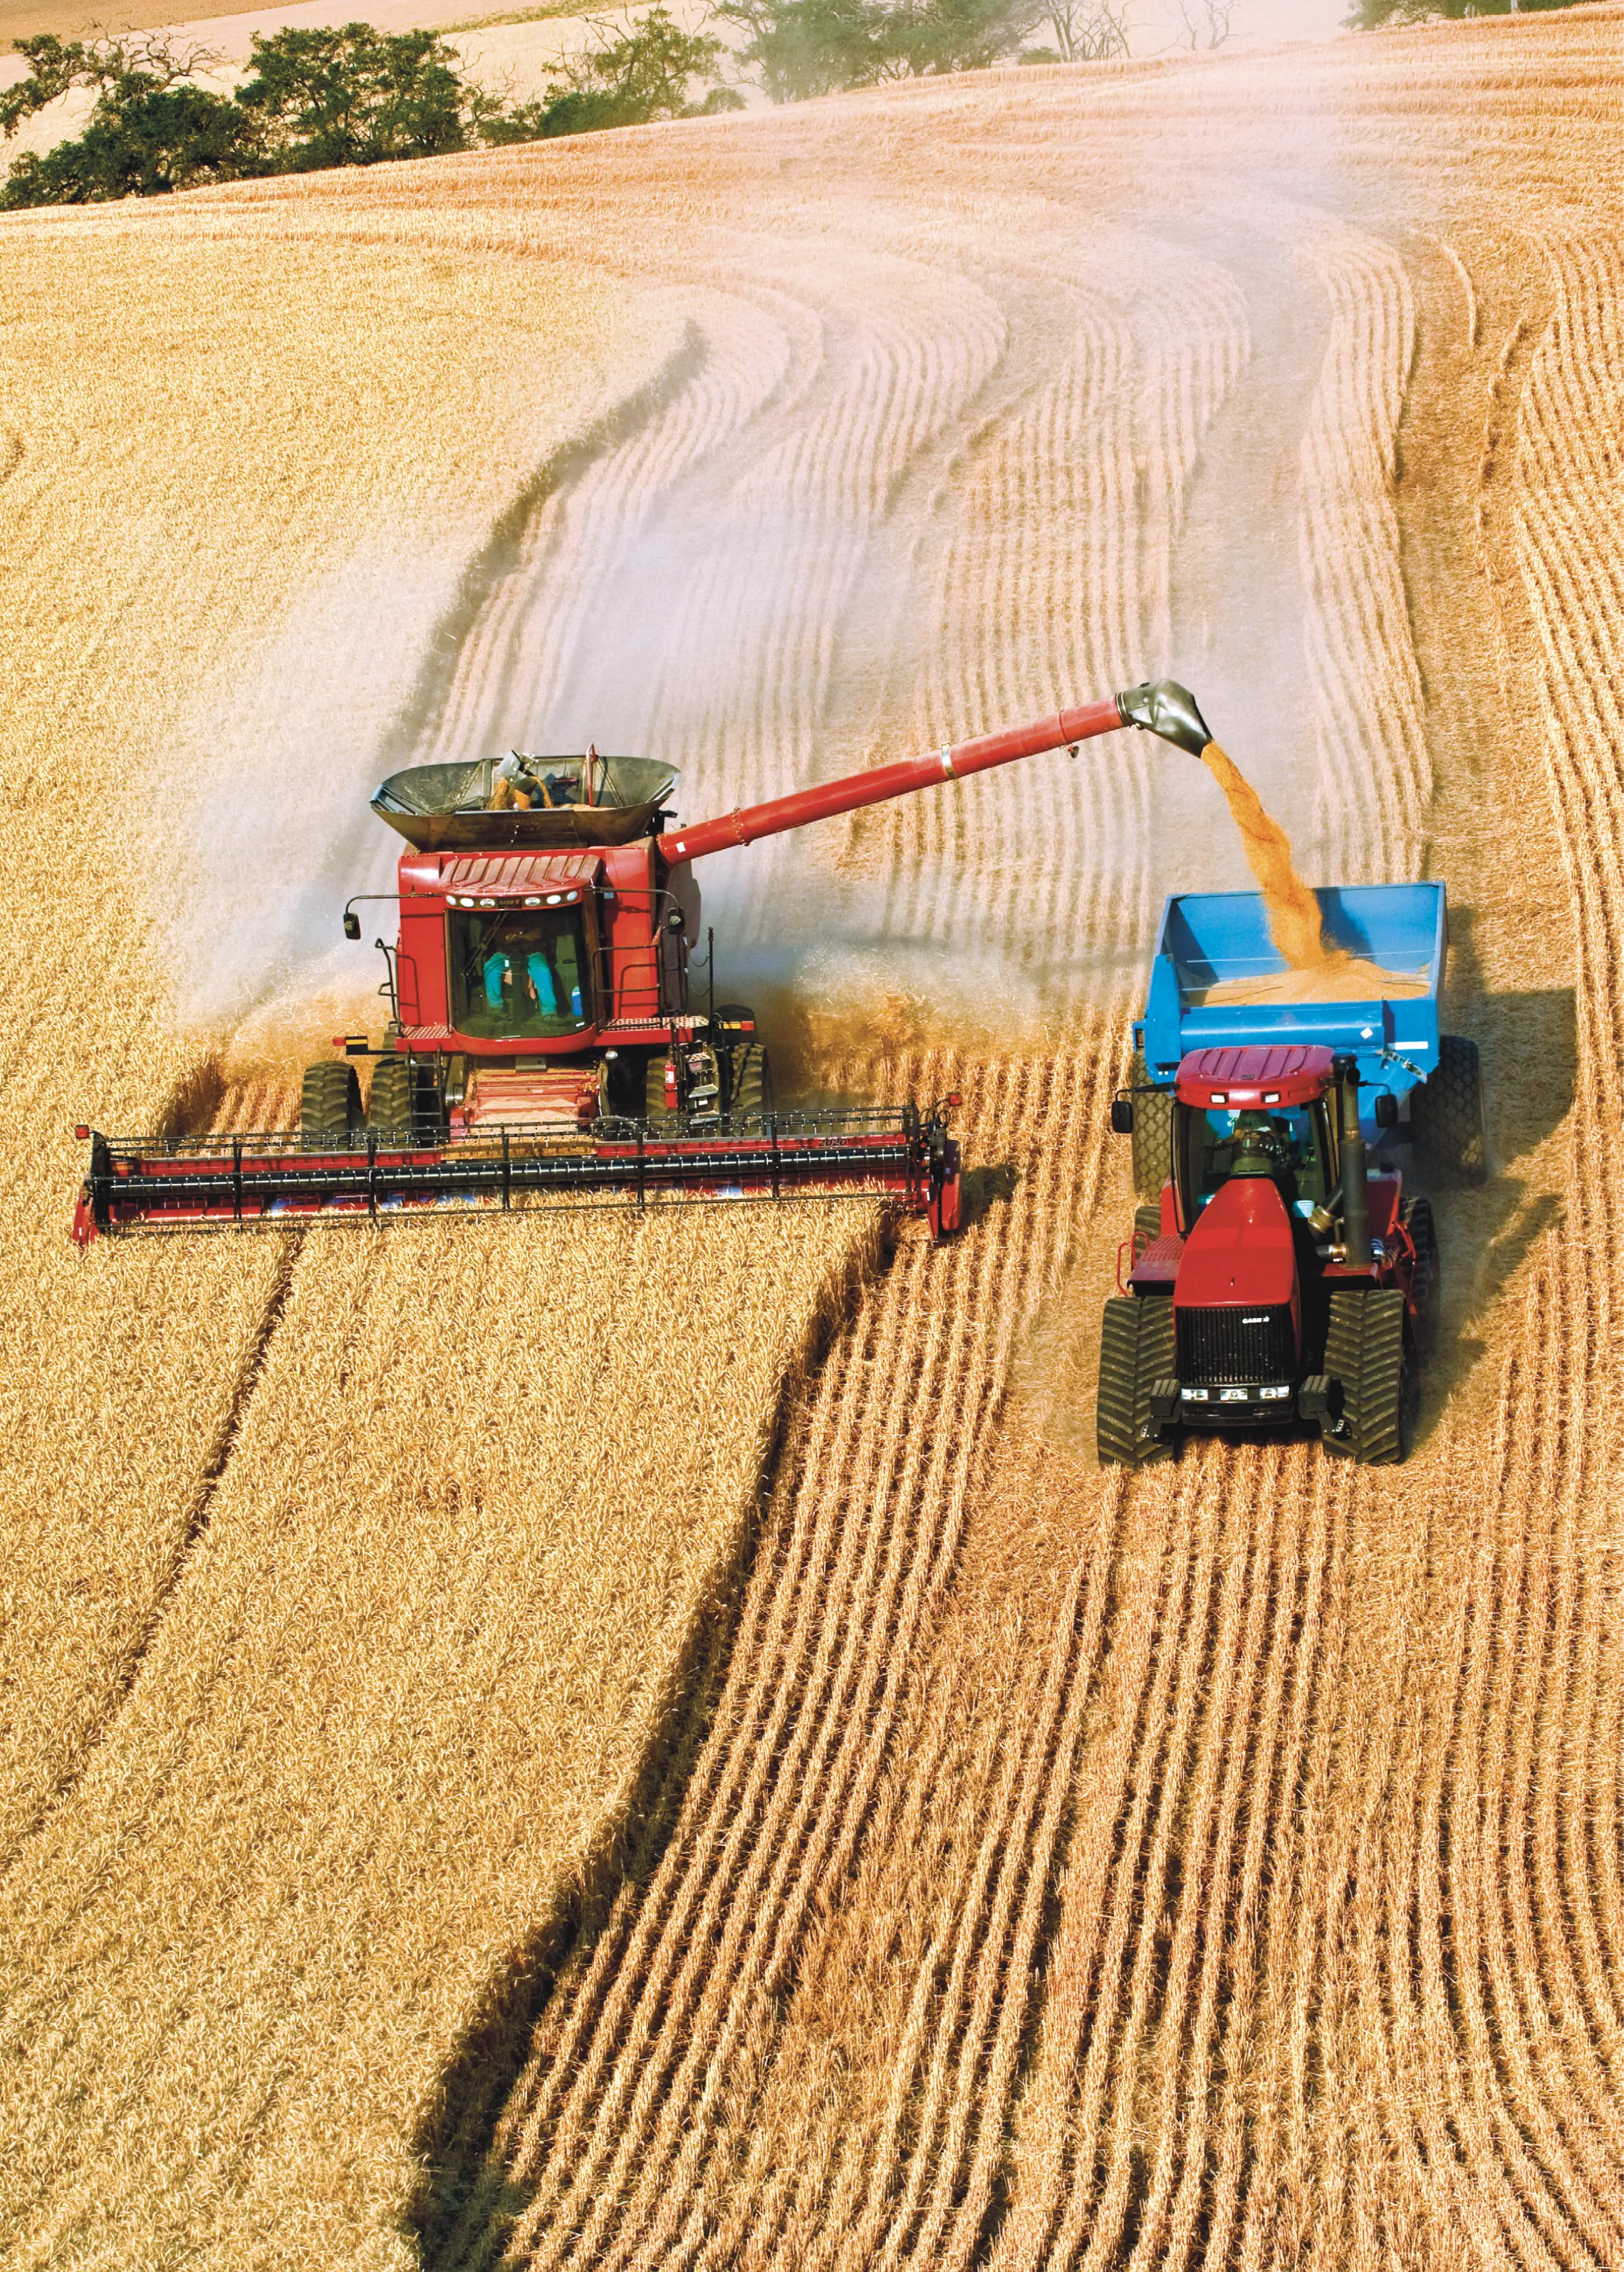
x=542 y=1039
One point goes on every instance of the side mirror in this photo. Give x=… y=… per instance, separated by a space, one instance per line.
x=352 y=923
x=1386 y=1109
x=1121 y=1116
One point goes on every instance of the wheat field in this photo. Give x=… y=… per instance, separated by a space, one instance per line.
x=629 y=1744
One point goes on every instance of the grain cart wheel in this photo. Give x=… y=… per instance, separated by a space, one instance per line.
x=1368 y=1351
x=1427 y=1289
x=1152 y=1138
x=749 y=1087
x=1136 y=1351
x=329 y=1105
x=1446 y=1114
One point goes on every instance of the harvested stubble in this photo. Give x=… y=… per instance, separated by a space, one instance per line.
x=1221 y=1866
x=492 y=1478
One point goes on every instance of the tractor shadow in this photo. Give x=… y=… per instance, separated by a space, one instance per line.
x=1528 y=1045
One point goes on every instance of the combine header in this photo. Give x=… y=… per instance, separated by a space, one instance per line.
x=542 y=1040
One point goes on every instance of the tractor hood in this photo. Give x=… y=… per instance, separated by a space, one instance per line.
x=1240 y=1250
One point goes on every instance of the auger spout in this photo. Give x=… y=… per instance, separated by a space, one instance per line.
x=1161 y=706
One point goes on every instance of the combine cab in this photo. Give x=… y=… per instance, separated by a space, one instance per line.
x=543 y=1040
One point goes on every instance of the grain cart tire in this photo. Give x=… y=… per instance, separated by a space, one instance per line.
x=1428 y=1288
x=1136 y=1351
x=1445 y=1114
x=329 y=1105
x=1369 y=1351
x=749 y=1086
x=1152 y=1138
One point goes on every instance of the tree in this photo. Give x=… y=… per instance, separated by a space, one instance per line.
x=629 y=79
x=315 y=99
x=150 y=130
x=1087 y=31
x=798 y=48
x=1206 y=22
x=357 y=97
x=801 y=47
x=1368 y=14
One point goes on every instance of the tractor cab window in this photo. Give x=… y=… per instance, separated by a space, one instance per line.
x=1290 y=1144
x=518 y=973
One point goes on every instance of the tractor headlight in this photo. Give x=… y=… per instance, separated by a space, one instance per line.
x=1197 y=1395
x=1273 y=1396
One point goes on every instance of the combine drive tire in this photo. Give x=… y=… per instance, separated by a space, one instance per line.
x=328 y=1106
x=1152 y=1136
x=1136 y=1351
x=750 y=1087
x=1368 y=1351
x=654 y=1095
x=404 y=1106
x=1428 y=1288
x=1446 y=1115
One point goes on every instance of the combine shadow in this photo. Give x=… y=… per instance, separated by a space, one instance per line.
x=980 y=1187
x=465 y=2186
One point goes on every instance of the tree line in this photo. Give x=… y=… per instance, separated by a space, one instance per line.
x=356 y=96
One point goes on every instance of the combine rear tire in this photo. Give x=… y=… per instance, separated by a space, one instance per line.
x=750 y=1087
x=1426 y=1289
x=1136 y=1351
x=1445 y=1114
x=1368 y=1351
x=1152 y=1136
x=329 y=1105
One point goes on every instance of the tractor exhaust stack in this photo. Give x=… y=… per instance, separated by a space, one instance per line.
x=1355 y=1175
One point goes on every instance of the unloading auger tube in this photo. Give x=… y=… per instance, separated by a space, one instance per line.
x=901 y=1153
x=1160 y=707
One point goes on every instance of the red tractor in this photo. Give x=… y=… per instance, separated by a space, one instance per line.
x=1277 y=1279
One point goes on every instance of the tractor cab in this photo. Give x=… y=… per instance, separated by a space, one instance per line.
x=1253 y=1113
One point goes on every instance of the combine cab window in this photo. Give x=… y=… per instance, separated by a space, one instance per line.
x=519 y=974
x=1291 y=1146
